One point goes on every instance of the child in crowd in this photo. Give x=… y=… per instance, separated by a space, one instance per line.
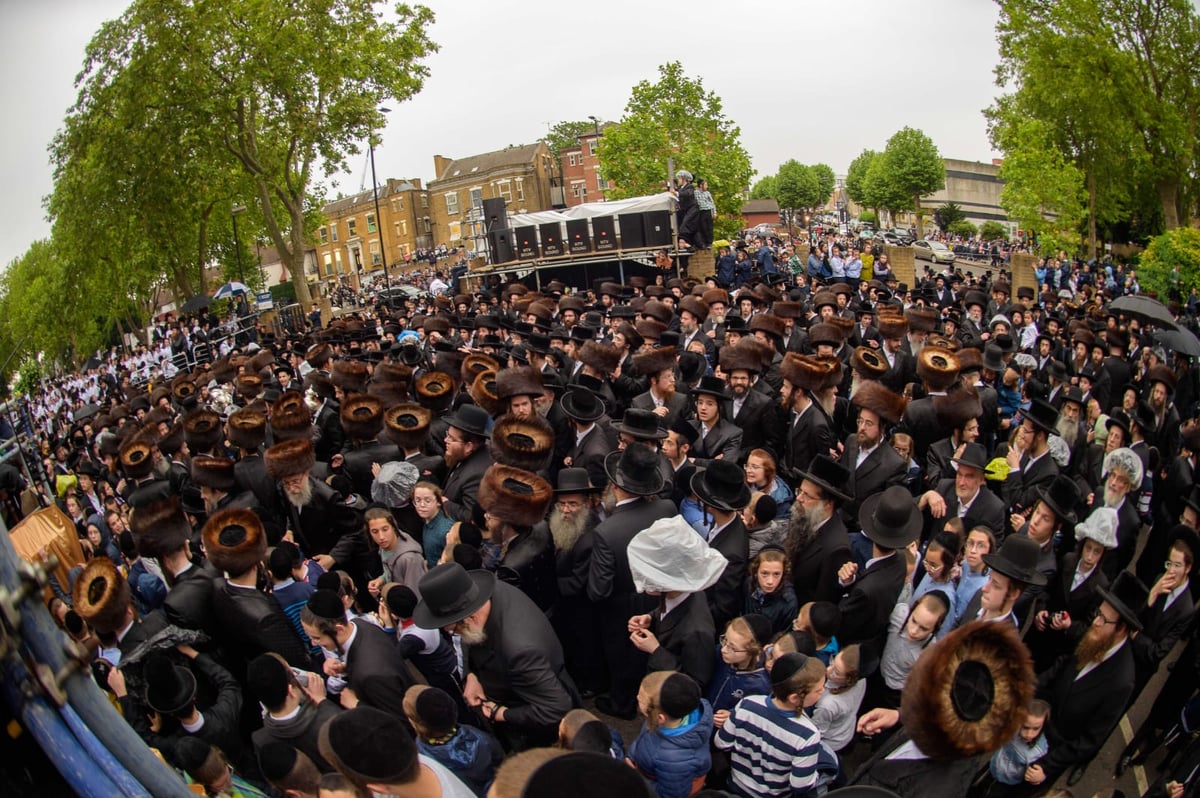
x=763 y=524
x=402 y=556
x=973 y=571
x=471 y=754
x=820 y=621
x=429 y=650
x=580 y=730
x=672 y=748
x=836 y=712
x=739 y=671
x=1012 y=764
x=771 y=593
x=292 y=594
x=774 y=747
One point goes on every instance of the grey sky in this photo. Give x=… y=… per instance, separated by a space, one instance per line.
x=813 y=81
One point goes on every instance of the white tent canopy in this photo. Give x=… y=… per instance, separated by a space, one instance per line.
x=589 y=210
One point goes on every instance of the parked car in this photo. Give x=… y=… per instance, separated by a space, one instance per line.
x=395 y=296
x=889 y=237
x=934 y=251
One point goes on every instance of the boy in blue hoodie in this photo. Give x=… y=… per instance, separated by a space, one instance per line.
x=672 y=748
x=469 y=753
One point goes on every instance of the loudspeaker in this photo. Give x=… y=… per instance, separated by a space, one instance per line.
x=658 y=228
x=604 y=232
x=500 y=244
x=495 y=214
x=527 y=243
x=551 y=234
x=578 y=238
x=633 y=235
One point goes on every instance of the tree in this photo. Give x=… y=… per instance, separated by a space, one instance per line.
x=946 y=215
x=676 y=118
x=1043 y=190
x=992 y=230
x=764 y=188
x=962 y=227
x=856 y=177
x=826 y=182
x=1171 y=263
x=914 y=167
x=564 y=135
x=867 y=217
x=880 y=191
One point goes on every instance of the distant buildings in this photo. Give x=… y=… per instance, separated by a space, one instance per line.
x=974 y=187
x=352 y=240
x=582 y=179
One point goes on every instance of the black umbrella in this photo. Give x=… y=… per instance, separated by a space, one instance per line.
x=87 y=411
x=198 y=302
x=1182 y=341
x=1145 y=310
x=93 y=362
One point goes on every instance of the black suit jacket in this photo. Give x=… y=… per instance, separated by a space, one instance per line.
x=529 y=565
x=1020 y=488
x=251 y=623
x=610 y=582
x=921 y=422
x=589 y=454
x=725 y=439
x=686 y=637
x=330 y=437
x=759 y=423
x=815 y=566
x=1161 y=630
x=251 y=475
x=986 y=510
x=881 y=469
x=358 y=460
x=868 y=602
x=677 y=408
x=462 y=485
x=901 y=372
x=813 y=434
x=376 y=670
x=727 y=597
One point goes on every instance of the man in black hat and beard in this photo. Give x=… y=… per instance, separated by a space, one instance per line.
x=722 y=492
x=468 y=458
x=817 y=543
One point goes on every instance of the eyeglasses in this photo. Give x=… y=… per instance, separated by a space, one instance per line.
x=569 y=505
x=728 y=646
x=806 y=496
x=1173 y=566
x=1098 y=615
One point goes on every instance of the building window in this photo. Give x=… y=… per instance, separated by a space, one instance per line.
x=476 y=197
x=350 y=227
x=324 y=232
x=455 y=231
x=428 y=226
x=333 y=228
x=404 y=228
x=599 y=181
x=337 y=258
x=520 y=190
x=594 y=146
x=573 y=159
x=452 y=203
x=371 y=222
x=424 y=200
x=328 y=264
x=578 y=188
x=504 y=189
x=397 y=204
x=375 y=257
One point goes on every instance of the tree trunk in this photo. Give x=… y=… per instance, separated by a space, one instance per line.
x=917 y=213
x=1092 y=243
x=295 y=260
x=1168 y=195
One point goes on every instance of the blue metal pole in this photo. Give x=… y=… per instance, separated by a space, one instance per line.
x=103 y=757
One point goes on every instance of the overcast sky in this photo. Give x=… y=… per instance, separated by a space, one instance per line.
x=813 y=81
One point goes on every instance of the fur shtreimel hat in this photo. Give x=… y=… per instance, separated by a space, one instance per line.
x=203 y=430
x=350 y=375
x=515 y=495
x=392 y=372
x=318 y=355
x=362 y=417
x=740 y=358
x=246 y=429
x=137 y=458
x=886 y=404
x=234 y=540
x=435 y=390
x=824 y=333
x=921 y=319
x=526 y=443
x=474 y=364
x=604 y=358
x=483 y=393
x=290 y=458
x=891 y=326
x=250 y=384
x=937 y=368
x=159 y=527
x=811 y=373
x=695 y=306
x=519 y=381
x=101 y=596
x=956 y=408
x=213 y=472
x=291 y=418
x=967 y=694
x=868 y=363
x=651 y=363
x=407 y=425
x=769 y=324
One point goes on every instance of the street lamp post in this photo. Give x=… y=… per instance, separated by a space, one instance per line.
x=599 y=183
x=237 y=244
x=387 y=283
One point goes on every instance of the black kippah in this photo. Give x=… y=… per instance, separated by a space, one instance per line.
x=276 y=760
x=267 y=680
x=370 y=744
x=786 y=667
x=679 y=695
x=327 y=604
x=191 y=753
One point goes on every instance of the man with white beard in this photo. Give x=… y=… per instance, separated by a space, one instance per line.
x=818 y=544
x=1072 y=428
x=1122 y=476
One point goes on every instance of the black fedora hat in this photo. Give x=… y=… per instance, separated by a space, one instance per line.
x=641 y=424
x=993 y=358
x=471 y=419
x=1143 y=416
x=1061 y=496
x=973 y=456
x=830 y=475
x=450 y=593
x=1071 y=393
x=722 y=485
x=582 y=404
x=1042 y=415
x=891 y=518
x=713 y=386
x=1118 y=418
x=1126 y=595
x=1018 y=559
x=574 y=480
x=170 y=688
x=635 y=470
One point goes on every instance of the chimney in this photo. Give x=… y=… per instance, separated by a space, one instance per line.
x=439 y=165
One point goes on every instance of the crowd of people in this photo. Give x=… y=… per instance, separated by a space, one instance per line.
x=942 y=531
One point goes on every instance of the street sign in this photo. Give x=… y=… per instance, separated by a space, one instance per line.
x=264 y=300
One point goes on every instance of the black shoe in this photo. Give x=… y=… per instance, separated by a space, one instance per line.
x=1076 y=775
x=605 y=705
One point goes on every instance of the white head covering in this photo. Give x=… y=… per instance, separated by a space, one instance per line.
x=1059 y=450
x=1100 y=526
x=1128 y=461
x=394 y=485
x=671 y=556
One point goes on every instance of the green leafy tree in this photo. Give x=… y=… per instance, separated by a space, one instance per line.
x=992 y=230
x=826 y=182
x=764 y=188
x=962 y=227
x=880 y=191
x=856 y=177
x=564 y=135
x=1171 y=263
x=947 y=214
x=676 y=118
x=914 y=167
x=1043 y=189
x=867 y=217
x=29 y=375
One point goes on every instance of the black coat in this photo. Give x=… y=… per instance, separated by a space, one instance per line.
x=686 y=638
x=189 y=601
x=868 y=602
x=724 y=439
x=881 y=469
x=901 y=372
x=921 y=422
x=300 y=732
x=376 y=670
x=727 y=597
x=815 y=567
x=916 y=778
x=609 y=579
x=1079 y=604
x=250 y=623
x=1020 y=487
x=358 y=459
x=251 y=475
x=812 y=435
x=678 y=407
x=589 y=454
x=759 y=423
x=529 y=564
x=327 y=525
x=1161 y=630
x=987 y=510
x=462 y=485
x=330 y=437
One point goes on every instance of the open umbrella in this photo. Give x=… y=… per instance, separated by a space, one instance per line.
x=87 y=411
x=93 y=362
x=198 y=302
x=1182 y=341
x=229 y=289
x=1145 y=310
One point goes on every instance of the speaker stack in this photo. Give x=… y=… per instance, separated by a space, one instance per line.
x=552 y=243
x=578 y=238
x=657 y=226
x=527 y=243
x=604 y=233
x=633 y=235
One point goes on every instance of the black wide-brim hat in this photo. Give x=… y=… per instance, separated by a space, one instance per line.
x=1018 y=559
x=1126 y=595
x=830 y=475
x=574 y=480
x=722 y=485
x=1118 y=418
x=582 y=404
x=635 y=470
x=973 y=456
x=169 y=687
x=640 y=424
x=470 y=419
x=891 y=518
x=712 y=386
x=1061 y=496
x=450 y=593
x=1042 y=415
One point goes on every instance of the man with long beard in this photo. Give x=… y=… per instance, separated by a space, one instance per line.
x=1072 y=428
x=1088 y=692
x=571 y=524
x=1122 y=475
x=817 y=542
x=809 y=430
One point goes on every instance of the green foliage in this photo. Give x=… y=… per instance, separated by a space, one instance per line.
x=963 y=228
x=283 y=294
x=880 y=191
x=564 y=135
x=677 y=118
x=1171 y=263
x=764 y=188
x=797 y=186
x=992 y=230
x=1043 y=190
x=944 y=216
x=826 y=182
x=28 y=377
x=856 y=177
x=867 y=217
x=914 y=166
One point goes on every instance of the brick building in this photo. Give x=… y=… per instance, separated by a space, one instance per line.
x=519 y=174
x=582 y=178
x=349 y=240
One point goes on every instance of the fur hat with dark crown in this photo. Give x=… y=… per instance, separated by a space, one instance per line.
x=235 y=541
x=921 y=319
x=937 y=368
x=772 y=325
x=651 y=363
x=526 y=443
x=886 y=404
x=213 y=472
x=695 y=306
x=604 y=358
x=474 y=364
x=290 y=458
x=350 y=375
x=102 y=596
x=811 y=373
x=246 y=429
x=407 y=425
x=159 y=527
x=517 y=496
x=483 y=392
x=740 y=358
x=290 y=417
x=203 y=430
x=362 y=416
x=891 y=326
x=137 y=458
x=956 y=408
x=519 y=381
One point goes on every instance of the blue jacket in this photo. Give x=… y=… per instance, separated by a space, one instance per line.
x=471 y=754
x=725 y=269
x=729 y=686
x=673 y=758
